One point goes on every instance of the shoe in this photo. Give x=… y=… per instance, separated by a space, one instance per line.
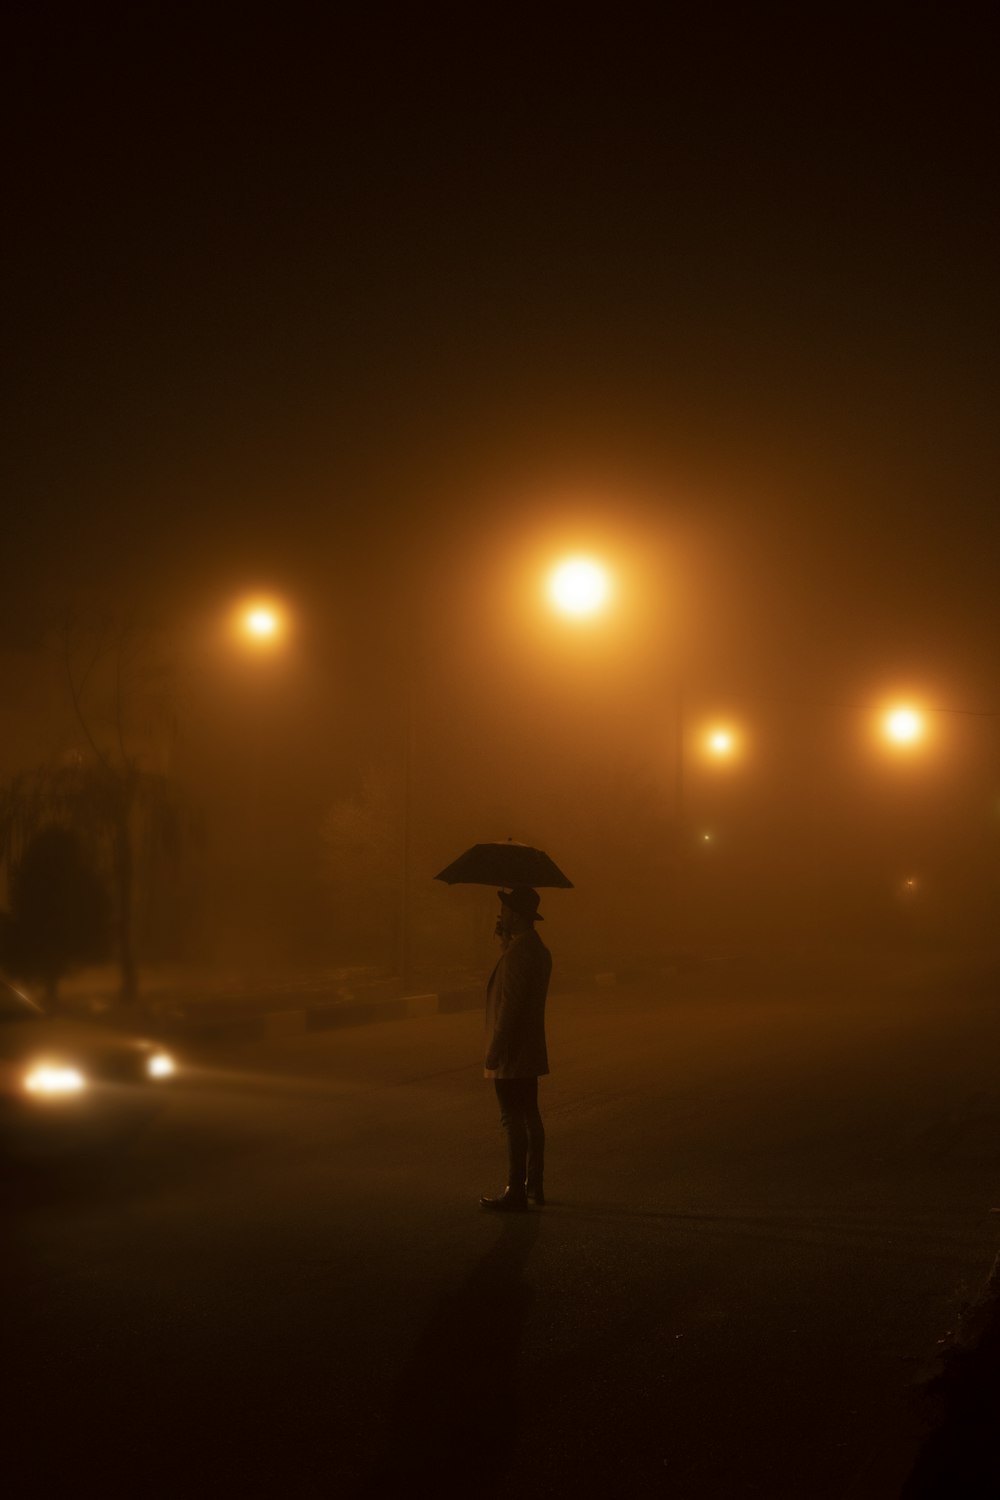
x=535 y=1194
x=508 y=1203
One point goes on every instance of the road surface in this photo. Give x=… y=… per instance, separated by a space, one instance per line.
x=766 y=1208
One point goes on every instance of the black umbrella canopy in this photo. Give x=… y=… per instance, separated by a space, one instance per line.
x=504 y=864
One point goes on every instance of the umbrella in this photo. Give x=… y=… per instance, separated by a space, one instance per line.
x=505 y=864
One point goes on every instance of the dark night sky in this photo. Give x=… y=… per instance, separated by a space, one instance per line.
x=325 y=306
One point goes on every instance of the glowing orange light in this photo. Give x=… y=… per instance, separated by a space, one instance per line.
x=261 y=621
x=904 y=725
x=720 y=742
x=579 y=586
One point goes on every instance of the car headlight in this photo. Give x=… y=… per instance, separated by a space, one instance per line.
x=49 y=1079
x=161 y=1065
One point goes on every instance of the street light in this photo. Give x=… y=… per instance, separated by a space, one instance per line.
x=260 y=621
x=257 y=629
x=903 y=725
x=720 y=743
x=579 y=586
x=259 y=624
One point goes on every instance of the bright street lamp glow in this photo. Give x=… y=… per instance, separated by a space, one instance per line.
x=579 y=586
x=160 y=1065
x=261 y=622
x=720 y=742
x=904 y=725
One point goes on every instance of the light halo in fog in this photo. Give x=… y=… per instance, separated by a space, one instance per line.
x=579 y=586
x=904 y=725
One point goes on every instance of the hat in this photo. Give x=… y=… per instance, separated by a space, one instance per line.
x=524 y=901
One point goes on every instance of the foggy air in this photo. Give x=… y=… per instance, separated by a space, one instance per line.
x=499 y=783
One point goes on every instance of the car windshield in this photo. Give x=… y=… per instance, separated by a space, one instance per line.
x=17 y=1007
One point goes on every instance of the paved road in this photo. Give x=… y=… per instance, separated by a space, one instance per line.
x=765 y=1213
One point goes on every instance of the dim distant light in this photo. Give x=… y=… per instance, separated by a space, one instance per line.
x=579 y=586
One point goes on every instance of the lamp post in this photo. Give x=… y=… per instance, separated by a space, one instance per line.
x=261 y=625
x=581 y=588
x=259 y=628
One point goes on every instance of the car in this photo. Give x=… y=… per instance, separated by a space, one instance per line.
x=66 y=1083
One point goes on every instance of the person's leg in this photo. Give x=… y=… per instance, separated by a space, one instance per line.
x=511 y=1096
x=535 y=1131
x=511 y=1101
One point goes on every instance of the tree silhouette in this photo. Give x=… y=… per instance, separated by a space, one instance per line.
x=59 y=910
x=103 y=785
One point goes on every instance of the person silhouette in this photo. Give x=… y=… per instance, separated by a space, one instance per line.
x=516 y=1054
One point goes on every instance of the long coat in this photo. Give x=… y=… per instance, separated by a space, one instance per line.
x=515 y=1009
